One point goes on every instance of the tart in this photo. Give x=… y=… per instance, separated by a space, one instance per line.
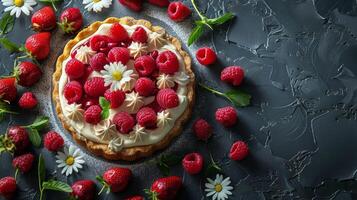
x=123 y=88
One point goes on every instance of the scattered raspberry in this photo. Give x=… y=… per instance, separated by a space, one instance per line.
x=116 y=98
x=167 y=62
x=239 y=150
x=124 y=122
x=167 y=98
x=28 y=100
x=144 y=86
x=19 y=137
x=161 y=3
x=119 y=54
x=74 y=69
x=7 y=187
x=135 y=5
x=8 y=89
x=178 y=11
x=139 y=35
x=53 y=141
x=88 y=102
x=192 y=163
x=73 y=92
x=93 y=114
x=100 y=43
x=118 y=33
x=146 y=117
x=233 y=75
x=202 y=129
x=23 y=162
x=227 y=116
x=145 y=65
x=98 y=61
x=206 y=56
x=94 y=87
x=27 y=74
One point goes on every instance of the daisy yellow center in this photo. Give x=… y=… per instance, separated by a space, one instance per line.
x=96 y=1
x=19 y=3
x=70 y=160
x=218 y=188
x=117 y=75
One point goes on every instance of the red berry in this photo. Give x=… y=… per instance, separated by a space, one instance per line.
x=93 y=114
x=227 y=116
x=44 y=19
x=71 y=20
x=117 y=178
x=98 y=61
x=100 y=43
x=53 y=141
x=28 y=100
x=124 y=122
x=7 y=187
x=144 y=86
x=94 y=87
x=145 y=65
x=137 y=197
x=178 y=11
x=19 y=137
x=146 y=117
x=192 y=163
x=167 y=62
x=116 y=98
x=27 y=74
x=239 y=151
x=206 y=56
x=166 y=188
x=154 y=54
x=167 y=98
x=233 y=75
x=74 y=69
x=83 y=190
x=161 y=3
x=23 y=162
x=8 y=89
x=119 y=54
x=202 y=129
x=135 y=5
x=38 y=45
x=118 y=33
x=139 y=35
x=88 y=102
x=73 y=92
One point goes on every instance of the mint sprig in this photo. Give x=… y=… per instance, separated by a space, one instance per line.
x=105 y=105
x=34 y=128
x=213 y=167
x=166 y=161
x=7 y=23
x=9 y=45
x=5 y=109
x=205 y=22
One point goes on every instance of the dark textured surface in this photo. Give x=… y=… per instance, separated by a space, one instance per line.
x=300 y=59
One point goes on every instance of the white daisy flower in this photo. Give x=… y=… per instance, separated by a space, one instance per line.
x=70 y=160
x=219 y=189
x=97 y=5
x=17 y=6
x=116 y=75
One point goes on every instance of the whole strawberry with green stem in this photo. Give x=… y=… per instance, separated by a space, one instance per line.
x=115 y=179
x=27 y=74
x=165 y=188
x=71 y=20
x=38 y=46
x=44 y=19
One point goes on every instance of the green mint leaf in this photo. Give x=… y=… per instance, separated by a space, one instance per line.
x=239 y=98
x=221 y=20
x=41 y=171
x=34 y=137
x=195 y=34
x=39 y=123
x=171 y=159
x=51 y=2
x=105 y=107
x=8 y=45
x=7 y=23
x=164 y=169
x=56 y=186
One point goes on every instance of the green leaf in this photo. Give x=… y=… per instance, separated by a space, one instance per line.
x=52 y=2
x=39 y=123
x=213 y=167
x=195 y=34
x=239 y=98
x=8 y=45
x=34 y=137
x=164 y=169
x=166 y=161
x=7 y=23
x=56 y=186
x=41 y=171
x=221 y=20
x=105 y=104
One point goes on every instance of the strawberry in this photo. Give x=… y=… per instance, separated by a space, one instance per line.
x=135 y=5
x=8 y=89
x=161 y=3
x=28 y=101
x=165 y=188
x=7 y=187
x=38 y=45
x=19 y=138
x=118 y=33
x=115 y=179
x=83 y=190
x=136 y=197
x=44 y=19
x=23 y=162
x=71 y=20
x=27 y=74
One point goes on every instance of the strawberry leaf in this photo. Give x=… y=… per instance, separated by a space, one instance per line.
x=56 y=186
x=239 y=98
x=221 y=20
x=34 y=137
x=7 y=23
x=5 y=109
x=39 y=123
x=8 y=45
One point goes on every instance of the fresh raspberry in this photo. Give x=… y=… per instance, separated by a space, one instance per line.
x=137 y=197
x=206 y=56
x=100 y=43
x=88 y=102
x=94 y=87
x=146 y=117
x=233 y=75
x=144 y=86
x=239 y=151
x=118 y=33
x=8 y=89
x=167 y=62
x=178 y=11
x=83 y=190
x=145 y=65
x=227 y=116
x=23 y=162
x=119 y=54
x=98 y=61
x=93 y=114
x=19 y=137
x=7 y=187
x=167 y=98
x=116 y=98
x=117 y=178
x=87 y=72
x=154 y=54
x=135 y=5
x=202 y=129
x=53 y=141
x=192 y=163
x=124 y=122
x=139 y=35
x=73 y=92
x=28 y=100
x=74 y=69
x=161 y=3
x=27 y=74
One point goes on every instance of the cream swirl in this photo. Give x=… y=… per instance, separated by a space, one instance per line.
x=138 y=133
x=84 y=54
x=105 y=130
x=156 y=40
x=163 y=118
x=134 y=101
x=165 y=81
x=137 y=49
x=181 y=78
x=116 y=144
x=75 y=112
